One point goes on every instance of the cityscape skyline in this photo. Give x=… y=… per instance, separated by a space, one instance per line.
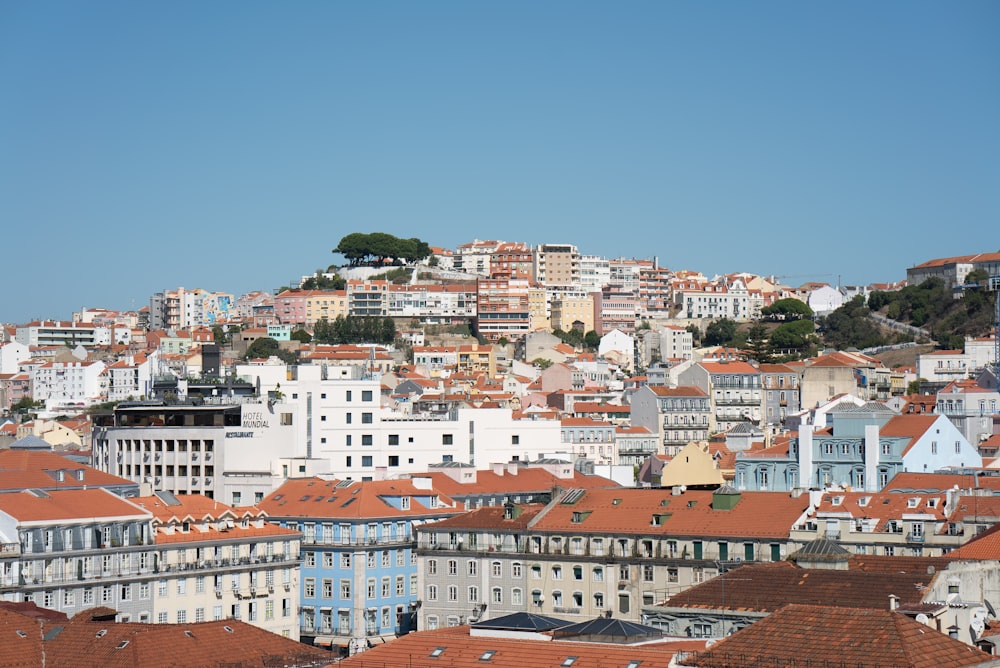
x=219 y=146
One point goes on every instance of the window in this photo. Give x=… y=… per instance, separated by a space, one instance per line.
x=393 y=439
x=447 y=439
x=473 y=566
x=371 y=588
x=647 y=572
x=497 y=595
x=432 y=592
x=366 y=439
x=933 y=447
x=345 y=589
x=452 y=593
x=452 y=567
x=345 y=559
x=515 y=569
x=310 y=559
x=366 y=460
x=557 y=572
x=432 y=567
x=958 y=447
x=599 y=600
x=386 y=586
x=366 y=418
x=516 y=597
x=598 y=574
x=327 y=588
x=473 y=594
x=496 y=569
x=309 y=587
x=366 y=395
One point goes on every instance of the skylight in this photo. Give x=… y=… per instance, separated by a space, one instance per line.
x=570 y=660
x=122 y=645
x=437 y=651
x=487 y=655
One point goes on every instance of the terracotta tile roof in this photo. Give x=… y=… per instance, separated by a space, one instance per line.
x=984 y=547
x=67 y=505
x=629 y=510
x=732 y=367
x=493 y=517
x=37 y=469
x=223 y=643
x=939 y=482
x=315 y=497
x=20 y=640
x=885 y=564
x=799 y=635
x=526 y=479
x=460 y=649
x=768 y=587
x=679 y=391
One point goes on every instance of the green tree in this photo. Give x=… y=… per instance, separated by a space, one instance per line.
x=301 y=335
x=592 y=340
x=757 y=340
x=792 y=335
x=787 y=309
x=720 y=332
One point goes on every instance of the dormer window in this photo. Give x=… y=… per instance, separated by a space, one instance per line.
x=837 y=500
x=404 y=502
x=185 y=527
x=912 y=502
x=863 y=501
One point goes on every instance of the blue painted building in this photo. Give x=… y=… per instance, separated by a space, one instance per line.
x=863 y=449
x=359 y=567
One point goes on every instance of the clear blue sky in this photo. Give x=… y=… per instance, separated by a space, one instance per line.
x=230 y=145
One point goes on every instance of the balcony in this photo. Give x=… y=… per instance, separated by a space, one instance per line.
x=915 y=537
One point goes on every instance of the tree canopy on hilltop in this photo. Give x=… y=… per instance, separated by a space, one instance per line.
x=378 y=247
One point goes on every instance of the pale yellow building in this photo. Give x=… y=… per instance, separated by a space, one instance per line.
x=567 y=309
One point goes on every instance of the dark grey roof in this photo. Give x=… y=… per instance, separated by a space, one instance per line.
x=521 y=621
x=744 y=429
x=30 y=442
x=607 y=628
x=821 y=549
x=727 y=489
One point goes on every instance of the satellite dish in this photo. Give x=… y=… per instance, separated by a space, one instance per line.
x=990 y=608
x=922 y=618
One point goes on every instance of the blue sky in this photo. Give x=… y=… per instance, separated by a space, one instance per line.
x=230 y=145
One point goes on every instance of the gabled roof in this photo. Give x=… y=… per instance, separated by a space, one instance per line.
x=767 y=587
x=68 y=504
x=224 y=643
x=799 y=635
x=630 y=510
x=333 y=499
x=456 y=647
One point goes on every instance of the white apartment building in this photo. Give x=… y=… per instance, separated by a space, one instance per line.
x=69 y=384
x=433 y=304
x=11 y=355
x=62 y=333
x=342 y=423
x=595 y=273
x=713 y=300
x=132 y=376
x=153 y=559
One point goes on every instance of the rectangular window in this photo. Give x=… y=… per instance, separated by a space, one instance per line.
x=366 y=395
x=447 y=439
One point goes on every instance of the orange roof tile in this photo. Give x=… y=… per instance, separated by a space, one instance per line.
x=861 y=638
x=462 y=649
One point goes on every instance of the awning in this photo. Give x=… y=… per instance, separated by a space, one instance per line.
x=323 y=641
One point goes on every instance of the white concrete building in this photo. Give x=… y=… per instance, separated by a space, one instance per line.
x=69 y=384
x=11 y=354
x=341 y=421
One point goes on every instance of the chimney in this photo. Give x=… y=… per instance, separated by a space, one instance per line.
x=893 y=602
